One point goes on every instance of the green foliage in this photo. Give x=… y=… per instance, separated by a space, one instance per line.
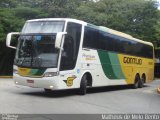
x=140 y=18
x=157 y=33
x=60 y=8
x=8 y=3
x=135 y=17
x=29 y=13
x=9 y=22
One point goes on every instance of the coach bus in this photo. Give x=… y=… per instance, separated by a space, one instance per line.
x=64 y=53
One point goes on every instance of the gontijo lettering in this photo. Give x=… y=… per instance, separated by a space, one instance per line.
x=130 y=60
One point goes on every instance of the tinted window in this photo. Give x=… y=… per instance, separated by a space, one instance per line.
x=147 y=51
x=105 y=41
x=71 y=46
x=91 y=38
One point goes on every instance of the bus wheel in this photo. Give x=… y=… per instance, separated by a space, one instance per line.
x=83 y=85
x=142 y=81
x=47 y=90
x=136 y=82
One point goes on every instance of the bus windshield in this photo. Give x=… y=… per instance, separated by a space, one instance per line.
x=37 y=51
x=43 y=27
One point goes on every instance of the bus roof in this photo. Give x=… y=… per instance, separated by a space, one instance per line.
x=58 y=19
x=121 y=34
x=105 y=29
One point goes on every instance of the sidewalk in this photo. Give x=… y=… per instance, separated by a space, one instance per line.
x=6 y=76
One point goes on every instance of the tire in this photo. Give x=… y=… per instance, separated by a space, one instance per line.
x=47 y=90
x=136 y=82
x=142 y=81
x=83 y=85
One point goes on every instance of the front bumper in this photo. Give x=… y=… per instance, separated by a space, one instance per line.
x=44 y=82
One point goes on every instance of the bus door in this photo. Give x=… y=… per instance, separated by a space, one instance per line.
x=70 y=47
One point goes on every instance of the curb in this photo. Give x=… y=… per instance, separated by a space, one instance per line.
x=158 y=90
x=6 y=76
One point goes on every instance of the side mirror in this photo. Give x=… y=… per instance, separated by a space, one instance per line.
x=9 y=38
x=59 y=39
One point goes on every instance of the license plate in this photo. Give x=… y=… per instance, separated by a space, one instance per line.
x=30 y=81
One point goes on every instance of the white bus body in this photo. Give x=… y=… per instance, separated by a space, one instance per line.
x=53 y=54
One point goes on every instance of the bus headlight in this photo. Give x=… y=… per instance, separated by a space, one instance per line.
x=50 y=74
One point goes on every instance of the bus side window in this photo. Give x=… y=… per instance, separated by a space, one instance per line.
x=91 y=38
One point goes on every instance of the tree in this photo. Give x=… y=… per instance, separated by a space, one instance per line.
x=60 y=8
x=9 y=22
x=8 y=3
x=139 y=18
x=135 y=17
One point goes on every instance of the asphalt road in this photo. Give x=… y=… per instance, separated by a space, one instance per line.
x=123 y=99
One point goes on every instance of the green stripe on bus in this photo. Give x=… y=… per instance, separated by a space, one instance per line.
x=40 y=72
x=37 y=72
x=111 y=65
x=106 y=64
x=116 y=65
